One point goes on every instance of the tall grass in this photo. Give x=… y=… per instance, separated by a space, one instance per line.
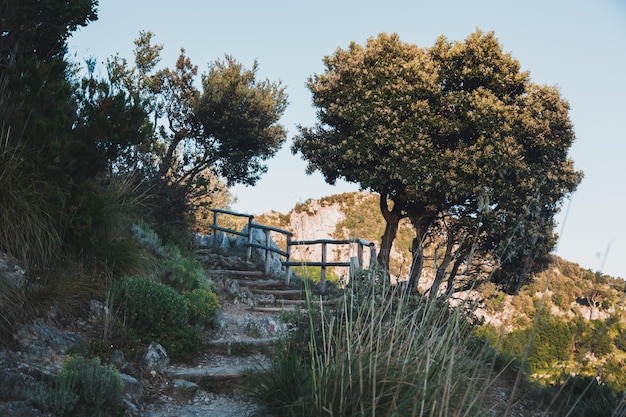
x=380 y=352
x=28 y=231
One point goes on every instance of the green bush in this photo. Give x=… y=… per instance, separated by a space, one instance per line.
x=84 y=387
x=203 y=306
x=581 y=396
x=183 y=273
x=386 y=354
x=148 y=306
x=181 y=343
x=158 y=313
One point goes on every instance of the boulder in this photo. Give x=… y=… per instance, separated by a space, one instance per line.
x=156 y=360
x=44 y=343
x=133 y=390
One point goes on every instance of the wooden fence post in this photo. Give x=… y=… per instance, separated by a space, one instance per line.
x=249 y=252
x=267 y=245
x=215 y=231
x=287 y=272
x=323 y=274
x=372 y=261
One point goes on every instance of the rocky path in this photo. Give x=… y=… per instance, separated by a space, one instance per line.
x=250 y=324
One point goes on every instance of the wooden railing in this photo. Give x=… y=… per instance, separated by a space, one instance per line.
x=353 y=263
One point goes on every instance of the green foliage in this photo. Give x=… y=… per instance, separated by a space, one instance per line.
x=380 y=353
x=182 y=272
x=28 y=230
x=84 y=387
x=314 y=273
x=596 y=339
x=285 y=388
x=148 y=306
x=158 y=313
x=549 y=340
x=454 y=139
x=203 y=306
x=181 y=343
x=581 y=396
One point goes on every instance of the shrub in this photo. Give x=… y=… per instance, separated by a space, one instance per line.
x=84 y=387
x=158 y=313
x=285 y=387
x=203 y=306
x=149 y=306
x=383 y=355
x=581 y=396
x=181 y=343
x=183 y=273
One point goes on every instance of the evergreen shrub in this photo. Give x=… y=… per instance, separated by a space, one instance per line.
x=203 y=306
x=84 y=387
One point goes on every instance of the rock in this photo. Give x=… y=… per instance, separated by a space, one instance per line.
x=21 y=409
x=133 y=390
x=119 y=361
x=222 y=242
x=11 y=271
x=131 y=409
x=203 y=241
x=218 y=321
x=235 y=291
x=263 y=328
x=156 y=360
x=44 y=343
x=183 y=390
x=98 y=310
x=215 y=261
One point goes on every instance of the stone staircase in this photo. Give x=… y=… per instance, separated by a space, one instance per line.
x=250 y=326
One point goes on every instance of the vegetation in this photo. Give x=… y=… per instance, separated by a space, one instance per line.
x=97 y=178
x=83 y=387
x=455 y=136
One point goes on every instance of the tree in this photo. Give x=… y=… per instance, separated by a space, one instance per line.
x=224 y=131
x=37 y=114
x=455 y=138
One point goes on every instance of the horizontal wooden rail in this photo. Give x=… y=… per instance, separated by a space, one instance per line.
x=287 y=263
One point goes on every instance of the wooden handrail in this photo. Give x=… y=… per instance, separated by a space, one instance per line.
x=287 y=263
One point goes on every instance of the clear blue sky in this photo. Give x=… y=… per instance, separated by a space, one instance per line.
x=577 y=45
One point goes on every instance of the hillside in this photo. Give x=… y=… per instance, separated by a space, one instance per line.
x=587 y=306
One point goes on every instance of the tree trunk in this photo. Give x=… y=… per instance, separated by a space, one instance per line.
x=421 y=224
x=392 y=219
x=441 y=269
x=417 y=264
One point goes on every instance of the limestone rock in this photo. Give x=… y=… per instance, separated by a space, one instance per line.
x=156 y=360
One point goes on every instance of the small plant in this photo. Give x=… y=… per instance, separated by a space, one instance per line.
x=183 y=273
x=84 y=387
x=203 y=306
x=57 y=395
x=380 y=353
x=285 y=388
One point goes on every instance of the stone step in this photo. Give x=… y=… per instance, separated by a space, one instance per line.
x=280 y=294
x=239 y=346
x=208 y=374
x=262 y=283
x=236 y=272
x=262 y=309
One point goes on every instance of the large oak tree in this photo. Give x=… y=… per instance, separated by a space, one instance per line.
x=454 y=137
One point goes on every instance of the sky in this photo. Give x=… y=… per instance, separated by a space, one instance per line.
x=577 y=45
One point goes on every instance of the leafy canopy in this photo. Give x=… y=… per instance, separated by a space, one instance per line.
x=454 y=137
